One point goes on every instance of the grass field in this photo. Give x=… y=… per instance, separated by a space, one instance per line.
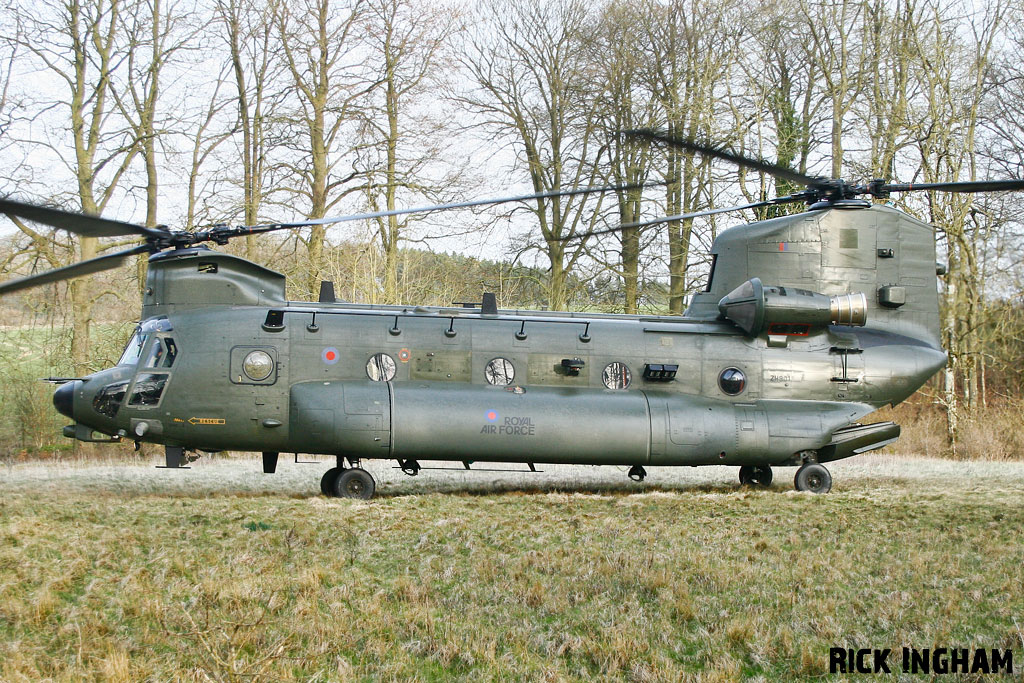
x=122 y=572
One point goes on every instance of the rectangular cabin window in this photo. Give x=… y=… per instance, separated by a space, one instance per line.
x=148 y=389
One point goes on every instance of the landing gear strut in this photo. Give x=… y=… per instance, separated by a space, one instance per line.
x=637 y=473
x=756 y=475
x=814 y=478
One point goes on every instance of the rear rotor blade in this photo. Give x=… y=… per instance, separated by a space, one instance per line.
x=78 y=223
x=739 y=160
x=972 y=186
x=94 y=265
x=788 y=199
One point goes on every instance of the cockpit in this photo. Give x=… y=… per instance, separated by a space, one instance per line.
x=153 y=350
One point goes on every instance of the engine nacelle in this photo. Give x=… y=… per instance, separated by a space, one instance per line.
x=754 y=306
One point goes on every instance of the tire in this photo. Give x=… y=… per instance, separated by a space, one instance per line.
x=328 y=481
x=355 y=483
x=814 y=478
x=756 y=475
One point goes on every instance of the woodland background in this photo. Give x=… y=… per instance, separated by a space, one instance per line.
x=237 y=111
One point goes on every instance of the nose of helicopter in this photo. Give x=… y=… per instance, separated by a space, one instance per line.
x=64 y=398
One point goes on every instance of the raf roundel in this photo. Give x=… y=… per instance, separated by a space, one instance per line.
x=491 y=415
x=330 y=355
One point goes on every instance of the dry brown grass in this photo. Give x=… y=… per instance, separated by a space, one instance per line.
x=992 y=433
x=686 y=580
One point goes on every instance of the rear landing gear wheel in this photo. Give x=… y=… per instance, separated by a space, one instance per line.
x=355 y=483
x=756 y=475
x=328 y=480
x=637 y=473
x=814 y=478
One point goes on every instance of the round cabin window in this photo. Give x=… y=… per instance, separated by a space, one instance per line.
x=616 y=375
x=500 y=372
x=380 y=368
x=257 y=365
x=732 y=381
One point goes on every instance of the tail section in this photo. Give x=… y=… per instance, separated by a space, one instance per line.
x=880 y=251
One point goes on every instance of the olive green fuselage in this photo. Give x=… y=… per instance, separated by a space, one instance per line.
x=419 y=383
x=440 y=405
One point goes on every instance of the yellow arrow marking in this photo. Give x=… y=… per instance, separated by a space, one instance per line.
x=207 y=421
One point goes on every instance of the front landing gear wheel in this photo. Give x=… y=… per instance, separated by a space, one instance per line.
x=328 y=480
x=756 y=475
x=814 y=478
x=355 y=483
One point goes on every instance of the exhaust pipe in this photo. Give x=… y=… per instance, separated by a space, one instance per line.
x=849 y=309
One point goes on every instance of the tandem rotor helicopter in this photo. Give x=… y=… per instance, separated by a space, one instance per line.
x=809 y=322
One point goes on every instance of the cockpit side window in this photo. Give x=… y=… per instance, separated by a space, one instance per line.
x=161 y=353
x=170 y=353
x=108 y=399
x=148 y=389
x=155 y=355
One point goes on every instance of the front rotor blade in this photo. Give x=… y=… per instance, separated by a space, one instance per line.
x=78 y=223
x=739 y=160
x=94 y=265
x=972 y=186
x=445 y=207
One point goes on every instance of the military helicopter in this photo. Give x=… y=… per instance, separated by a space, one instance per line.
x=809 y=322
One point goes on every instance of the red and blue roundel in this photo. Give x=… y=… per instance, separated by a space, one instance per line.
x=330 y=355
x=491 y=416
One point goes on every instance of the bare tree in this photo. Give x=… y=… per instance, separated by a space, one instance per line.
x=617 y=56
x=8 y=57
x=323 y=48
x=783 y=101
x=694 y=48
x=205 y=137
x=528 y=62
x=248 y=30
x=82 y=44
x=953 y=91
x=837 y=50
x=404 y=138
x=155 y=33
x=889 y=60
